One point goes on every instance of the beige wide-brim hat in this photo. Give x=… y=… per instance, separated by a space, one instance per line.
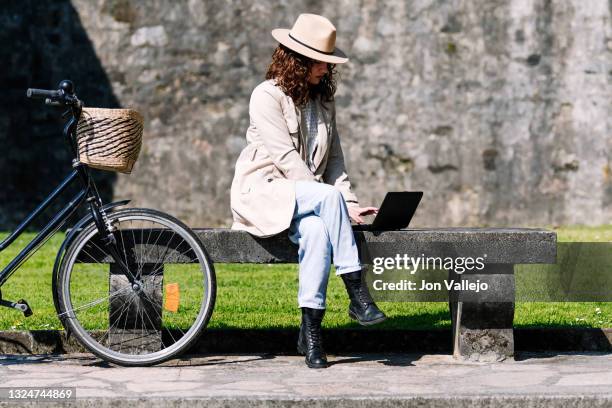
x=313 y=36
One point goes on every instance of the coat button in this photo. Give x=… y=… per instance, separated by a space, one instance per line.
x=269 y=180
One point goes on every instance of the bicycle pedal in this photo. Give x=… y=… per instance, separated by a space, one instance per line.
x=27 y=311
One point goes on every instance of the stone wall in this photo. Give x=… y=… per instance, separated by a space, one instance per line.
x=499 y=110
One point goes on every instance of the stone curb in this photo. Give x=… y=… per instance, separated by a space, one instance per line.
x=335 y=340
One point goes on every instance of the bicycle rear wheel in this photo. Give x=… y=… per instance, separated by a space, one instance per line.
x=153 y=319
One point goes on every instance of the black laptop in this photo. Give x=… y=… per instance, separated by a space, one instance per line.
x=395 y=212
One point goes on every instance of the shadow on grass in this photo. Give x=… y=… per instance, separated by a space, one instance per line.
x=422 y=321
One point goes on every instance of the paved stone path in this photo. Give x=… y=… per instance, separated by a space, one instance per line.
x=554 y=379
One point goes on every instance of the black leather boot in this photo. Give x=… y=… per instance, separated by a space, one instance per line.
x=362 y=308
x=309 y=341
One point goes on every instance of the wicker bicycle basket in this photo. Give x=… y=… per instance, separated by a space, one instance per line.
x=109 y=139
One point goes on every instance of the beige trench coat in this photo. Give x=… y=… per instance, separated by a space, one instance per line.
x=263 y=187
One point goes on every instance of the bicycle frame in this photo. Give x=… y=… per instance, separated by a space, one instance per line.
x=59 y=218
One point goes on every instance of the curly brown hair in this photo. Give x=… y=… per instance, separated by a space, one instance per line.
x=291 y=69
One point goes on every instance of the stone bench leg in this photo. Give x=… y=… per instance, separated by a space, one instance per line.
x=482 y=323
x=143 y=313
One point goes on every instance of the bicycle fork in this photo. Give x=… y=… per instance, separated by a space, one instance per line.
x=109 y=241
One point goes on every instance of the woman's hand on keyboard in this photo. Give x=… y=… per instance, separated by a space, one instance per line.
x=357 y=212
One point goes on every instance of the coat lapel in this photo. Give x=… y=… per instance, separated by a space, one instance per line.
x=302 y=140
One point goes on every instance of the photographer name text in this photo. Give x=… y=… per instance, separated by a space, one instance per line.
x=462 y=285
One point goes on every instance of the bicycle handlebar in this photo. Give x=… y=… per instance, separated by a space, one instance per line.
x=64 y=96
x=34 y=93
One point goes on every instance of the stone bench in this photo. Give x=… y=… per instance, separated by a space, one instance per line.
x=482 y=327
x=482 y=324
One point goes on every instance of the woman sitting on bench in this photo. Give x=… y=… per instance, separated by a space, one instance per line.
x=291 y=175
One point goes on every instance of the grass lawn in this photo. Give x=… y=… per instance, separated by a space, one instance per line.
x=265 y=296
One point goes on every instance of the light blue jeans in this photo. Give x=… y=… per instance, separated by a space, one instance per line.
x=321 y=227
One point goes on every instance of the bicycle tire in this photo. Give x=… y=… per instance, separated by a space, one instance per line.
x=70 y=267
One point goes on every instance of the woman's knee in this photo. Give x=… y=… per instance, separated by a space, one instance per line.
x=314 y=240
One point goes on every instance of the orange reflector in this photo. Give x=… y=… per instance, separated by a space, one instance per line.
x=172 y=297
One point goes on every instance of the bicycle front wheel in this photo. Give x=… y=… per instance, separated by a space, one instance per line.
x=155 y=312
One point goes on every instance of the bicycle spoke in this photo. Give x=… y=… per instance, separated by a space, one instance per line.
x=101 y=250
x=125 y=257
x=123 y=309
x=96 y=302
x=142 y=260
x=151 y=322
x=134 y=250
x=111 y=320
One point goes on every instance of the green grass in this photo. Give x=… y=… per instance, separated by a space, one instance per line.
x=265 y=296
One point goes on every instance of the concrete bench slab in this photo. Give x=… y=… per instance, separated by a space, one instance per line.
x=482 y=328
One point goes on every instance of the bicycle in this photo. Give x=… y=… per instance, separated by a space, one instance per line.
x=108 y=275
